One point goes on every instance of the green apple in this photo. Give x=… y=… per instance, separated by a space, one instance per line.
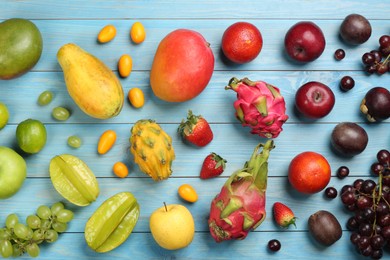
x=4 y=115
x=13 y=172
x=172 y=226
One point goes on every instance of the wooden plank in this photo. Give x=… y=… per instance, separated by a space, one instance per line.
x=56 y=33
x=151 y=196
x=293 y=140
x=171 y=9
x=214 y=103
x=72 y=245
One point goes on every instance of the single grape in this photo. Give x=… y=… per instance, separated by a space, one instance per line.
x=45 y=224
x=369 y=215
x=384 y=50
x=56 y=207
x=60 y=113
x=74 y=141
x=59 y=226
x=342 y=172
x=45 y=98
x=382 y=208
x=22 y=231
x=355 y=237
x=352 y=224
x=331 y=192
x=351 y=207
x=17 y=251
x=381 y=68
x=370 y=68
x=383 y=157
x=33 y=249
x=364 y=202
x=366 y=251
x=64 y=215
x=38 y=236
x=274 y=245
x=348 y=198
x=357 y=184
x=51 y=236
x=4 y=234
x=364 y=242
x=339 y=54
x=383 y=220
x=11 y=220
x=44 y=212
x=377 y=55
x=385 y=232
x=377 y=241
x=377 y=168
x=347 y=83
x=365 y=229
x=33 y=221
x=6 y=249
x=368 y=58
x=368 y=186
x=359 y=216
x=384 y=41
x=377 y=254
x=347 y=188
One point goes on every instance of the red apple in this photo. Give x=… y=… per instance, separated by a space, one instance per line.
x=304 y=41
x=314 y=100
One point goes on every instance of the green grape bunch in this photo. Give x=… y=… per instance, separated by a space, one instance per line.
x=17 y=238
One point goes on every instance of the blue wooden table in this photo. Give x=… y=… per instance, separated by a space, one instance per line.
x=79 y=22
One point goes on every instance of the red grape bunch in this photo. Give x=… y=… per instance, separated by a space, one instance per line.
x=370 y=203
x=378 y=60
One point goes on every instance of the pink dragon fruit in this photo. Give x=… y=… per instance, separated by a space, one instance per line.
x=260 y=106
x=240 y=206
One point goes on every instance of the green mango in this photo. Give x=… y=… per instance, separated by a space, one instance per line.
x=20 y=47
x=112 y=223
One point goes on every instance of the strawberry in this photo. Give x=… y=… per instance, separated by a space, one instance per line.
x=283 y=215
x=196 y=130
x=213 y=166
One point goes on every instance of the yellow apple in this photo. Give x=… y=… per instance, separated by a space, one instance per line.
x=172 y=226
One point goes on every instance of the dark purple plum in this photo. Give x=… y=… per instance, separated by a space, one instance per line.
x=349 y=139
x=355 y=29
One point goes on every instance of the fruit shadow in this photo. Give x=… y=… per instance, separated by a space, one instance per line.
x=226 y=61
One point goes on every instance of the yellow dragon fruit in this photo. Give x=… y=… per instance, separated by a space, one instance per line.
x=260 y=106
x=152 y=149
x=240 y=205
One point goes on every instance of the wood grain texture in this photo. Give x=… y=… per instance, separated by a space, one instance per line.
x=80 y=21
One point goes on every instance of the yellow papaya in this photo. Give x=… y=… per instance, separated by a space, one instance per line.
x=91 y=84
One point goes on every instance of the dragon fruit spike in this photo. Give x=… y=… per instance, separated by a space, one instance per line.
x=259 y=106
x=240 y=205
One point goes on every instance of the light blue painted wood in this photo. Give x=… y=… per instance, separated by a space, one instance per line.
x=151 y=196
x=294 y=139
x=80 y=21
x=272 y=57
x=214 y=103
x=172 y=9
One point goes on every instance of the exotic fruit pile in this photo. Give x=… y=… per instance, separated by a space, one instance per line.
x=260 y=106
x=152 y=149
x=369 y=201
x=240 y=205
